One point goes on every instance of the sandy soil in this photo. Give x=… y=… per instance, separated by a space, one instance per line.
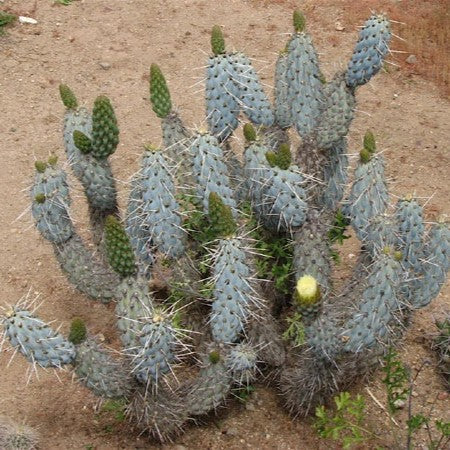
x=67 y=45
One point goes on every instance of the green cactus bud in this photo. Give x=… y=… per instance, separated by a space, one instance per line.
x=118 y=248
x=369 y=142
x=78 y=331
x=82 y=142
x=307 y=291
x=272 y=159
x=159 y=92
x=249 y=132
x=284 y=156
x=52 y=160
x=217 y=40
x=214 y=357
x=39 y=198
x=299 y=21
x=40 y=166
x=398 y=256
x=365 y=155
x=152 y=148
x=67 y=96
x=105 y=133
x=220 y=217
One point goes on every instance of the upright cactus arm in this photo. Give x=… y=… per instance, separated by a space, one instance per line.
x=94 y=174
x=305 y=87
x=370 y=51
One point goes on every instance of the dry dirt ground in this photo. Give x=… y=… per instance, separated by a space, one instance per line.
x=126 y=36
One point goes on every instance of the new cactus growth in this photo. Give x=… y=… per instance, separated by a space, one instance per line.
x=185 y=269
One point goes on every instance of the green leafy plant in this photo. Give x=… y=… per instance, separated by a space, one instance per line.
x=6 y=19
x=295 y=331
x=346 y=423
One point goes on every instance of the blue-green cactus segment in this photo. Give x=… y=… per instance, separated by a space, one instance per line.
x=322 y=337
x=211 y=172
x=177 y=140
x=155 y=350
x=435 y=265
x=76 y=120
x=368 y=195
x=381 y=233
x=283 y=116
x=222 y=107
x=233 y=295
x=312 y=252
x=210 y=388
x=241 y=363
x=337 y=113
x=89 y=275
x=277 y=195
x=370 y=50
x=335 y=175
x=134 y=305
x=101 y=372
x=157 y=211
x=409 y=216
x=95 y=175
x=252 y=99
x=50 y=203
x=137 y=231
x=370 y=325
x=36 y=340
x=305 y=88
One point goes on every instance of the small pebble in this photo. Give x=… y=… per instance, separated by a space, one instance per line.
x=400 y=404
x=250 y=407
x=443 y=395
x=105 y=65
x=411 y=59
x=29 y=20
x=231 y=432
x=339 y=27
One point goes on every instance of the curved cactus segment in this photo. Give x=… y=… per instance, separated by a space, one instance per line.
x=159 y=92
x=95 y=175
x=337 y=113
x=252 y=100
x=409 y=216
x=312 y=252
x=370 y=50
x=233 y=296
x=134 y=304
x=100 y=372
x=222 y=96
x=277 y=195
x=211 y=172
x=105 y=133
x=370 y=325
x=36 y=340
x=335 y=175
x=118 y=248
x=153 y=218
x=282 y=111
x=84 y=271
x=305 y=88
x=368 y=195
x=68 y=97
x=177 y=140
x=50 y=203
x=155 y=350
x=435 y=265
x=211 y=386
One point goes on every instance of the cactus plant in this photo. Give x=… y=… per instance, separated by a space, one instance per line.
x=211 y=323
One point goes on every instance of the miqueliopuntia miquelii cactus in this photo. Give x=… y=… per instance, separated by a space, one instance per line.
x=197 y=314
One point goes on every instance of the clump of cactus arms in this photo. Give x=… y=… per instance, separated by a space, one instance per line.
x=200 y=212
